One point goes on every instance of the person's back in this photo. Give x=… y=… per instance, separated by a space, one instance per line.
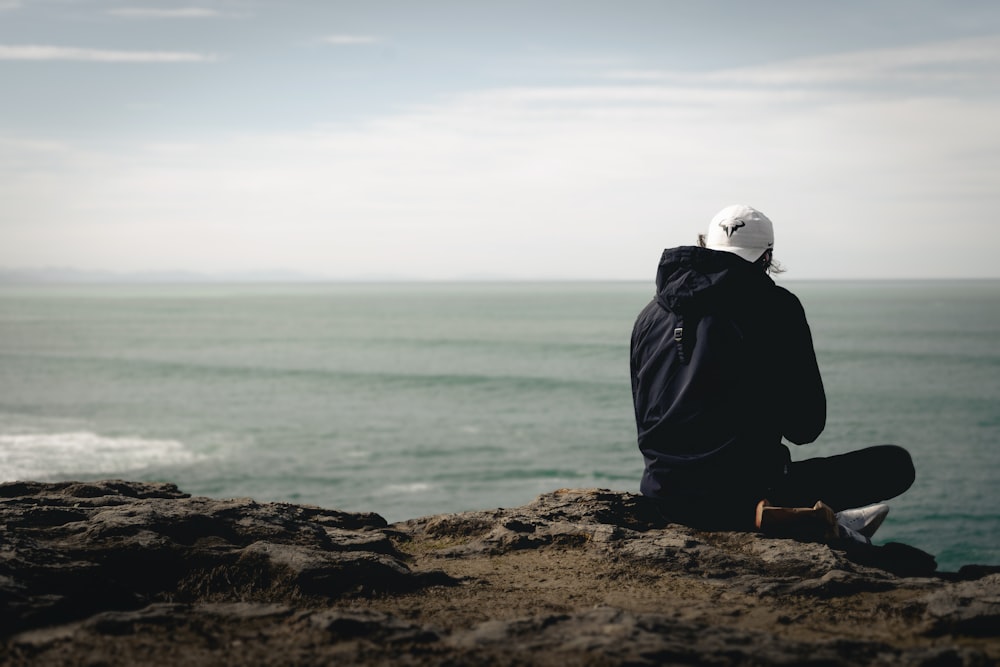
x=723 y=369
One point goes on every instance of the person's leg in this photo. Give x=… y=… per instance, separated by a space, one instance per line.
x=848 y=480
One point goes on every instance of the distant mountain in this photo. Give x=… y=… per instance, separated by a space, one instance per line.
x=68 y=275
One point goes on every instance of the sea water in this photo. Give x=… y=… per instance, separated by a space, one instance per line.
x=417 y=399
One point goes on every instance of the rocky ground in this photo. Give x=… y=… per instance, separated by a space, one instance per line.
x=123 y=572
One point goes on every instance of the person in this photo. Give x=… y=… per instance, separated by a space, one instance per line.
x=723 y=371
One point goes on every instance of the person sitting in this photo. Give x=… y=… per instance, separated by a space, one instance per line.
x=723 y=371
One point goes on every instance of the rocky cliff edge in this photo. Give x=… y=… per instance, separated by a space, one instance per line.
x=118 y=572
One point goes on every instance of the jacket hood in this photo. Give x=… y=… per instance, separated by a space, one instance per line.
x=691 y=279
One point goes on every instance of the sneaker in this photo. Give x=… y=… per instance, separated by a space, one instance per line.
x=850 y=533
x=863 y=520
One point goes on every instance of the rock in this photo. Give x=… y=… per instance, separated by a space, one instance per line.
x=628 y=525
x=341 y=625
x=114 y=572
x=966 y=608
x=656 y=639
x=72 y=550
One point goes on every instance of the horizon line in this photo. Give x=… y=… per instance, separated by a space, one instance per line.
x=72 y=276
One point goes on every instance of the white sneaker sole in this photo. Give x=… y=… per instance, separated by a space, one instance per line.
x=863 y=520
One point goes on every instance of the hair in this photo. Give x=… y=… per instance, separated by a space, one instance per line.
x=766 y=261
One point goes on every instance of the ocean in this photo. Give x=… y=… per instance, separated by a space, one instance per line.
x=423 y=398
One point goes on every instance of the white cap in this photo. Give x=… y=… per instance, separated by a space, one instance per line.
x=741 y=230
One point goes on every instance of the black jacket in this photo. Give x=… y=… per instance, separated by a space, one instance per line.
x=723 y=368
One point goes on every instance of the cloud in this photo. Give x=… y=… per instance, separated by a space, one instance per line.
x=350 y=40
x=9 y=4
x=36 y=52
x=158 y=13
x=498 y=182
x=540 y=182
x=970 y=59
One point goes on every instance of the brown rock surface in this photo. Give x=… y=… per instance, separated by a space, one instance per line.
x=124 y=572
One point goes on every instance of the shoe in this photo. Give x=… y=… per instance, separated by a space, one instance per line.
x=850 y=533
x=863 y=520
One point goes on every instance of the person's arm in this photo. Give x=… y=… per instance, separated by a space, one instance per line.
x=800 y=384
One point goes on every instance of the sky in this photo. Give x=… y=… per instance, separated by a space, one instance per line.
x=539 y=140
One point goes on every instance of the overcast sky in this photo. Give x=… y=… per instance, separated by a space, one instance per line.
x=508 y=139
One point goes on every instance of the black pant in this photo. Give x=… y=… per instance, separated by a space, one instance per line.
x=844 y=481
x=727 y=500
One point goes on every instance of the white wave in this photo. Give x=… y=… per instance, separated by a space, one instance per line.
x=415 y=487
x=39 y=456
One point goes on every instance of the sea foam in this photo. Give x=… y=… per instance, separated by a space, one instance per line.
x=46 y=456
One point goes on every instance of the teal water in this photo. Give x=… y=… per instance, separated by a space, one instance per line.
x=415 y=399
